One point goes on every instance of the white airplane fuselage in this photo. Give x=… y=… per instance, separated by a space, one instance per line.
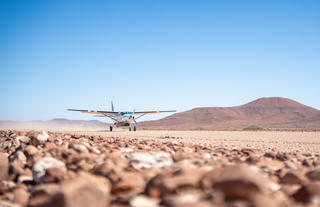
x=123 y=121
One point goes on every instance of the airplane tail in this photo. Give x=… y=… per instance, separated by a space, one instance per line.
x=112 y=108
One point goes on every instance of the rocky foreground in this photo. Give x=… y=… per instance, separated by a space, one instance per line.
x=52 y=169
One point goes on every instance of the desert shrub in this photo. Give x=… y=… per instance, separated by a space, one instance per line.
x=253 y=127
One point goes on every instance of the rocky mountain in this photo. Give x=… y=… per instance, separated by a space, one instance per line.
x=275 y=112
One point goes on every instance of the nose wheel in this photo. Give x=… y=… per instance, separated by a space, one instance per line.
x=111 y=128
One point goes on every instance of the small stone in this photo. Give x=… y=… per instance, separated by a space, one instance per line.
x=307 y=163
x=83 y=191
x=21 y=196
x=4 y=167
x=143 y=201
x=39 y=169
x=314 y=174
x=148 y=160
x=19 y=157
x=292 y=178
x=38 y=138
x=54 y=174
x=235 y=181
x=30 y=150
x=128 y=185
x=4 y=203
x=23 y=139
x=307 y=192
x=171 y=182
x=41 y=194
x=270 y=154
x=282 y=156
x=191 y=198
x=80 y=148
x=270 y=164
x=253 y=159
x=42 y=137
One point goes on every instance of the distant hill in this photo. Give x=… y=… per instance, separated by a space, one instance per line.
x=55 y=124
x=275 y=112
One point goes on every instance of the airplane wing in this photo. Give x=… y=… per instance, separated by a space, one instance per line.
x=151 y=112
x=95 y=112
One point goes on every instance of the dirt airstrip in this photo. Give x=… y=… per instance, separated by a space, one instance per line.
x=288 y=141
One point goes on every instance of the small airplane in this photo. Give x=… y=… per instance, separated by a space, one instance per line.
x=121 y=118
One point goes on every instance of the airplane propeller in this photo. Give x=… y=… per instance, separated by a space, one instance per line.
x=134 y=110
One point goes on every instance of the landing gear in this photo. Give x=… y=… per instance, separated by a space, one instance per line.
x=110 y=128
x=134 y=128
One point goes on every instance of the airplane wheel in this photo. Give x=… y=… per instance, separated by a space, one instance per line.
x=129 y=129
x=134 y=128
x=110 y=128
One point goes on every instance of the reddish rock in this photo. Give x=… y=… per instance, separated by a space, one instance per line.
x=307 y=192
x=21 y=197
x=264 y=200
x=41 y=195
x=236 y=181
x=4 y=167
x=125 y=185
x=282 y=156
x=30 y=150
x=292 y=177
x=171 y=182
x=84 y=191
x=307 y=163
x=314 y=174
x=253 y=159
x=54 y=174
x=270 y=154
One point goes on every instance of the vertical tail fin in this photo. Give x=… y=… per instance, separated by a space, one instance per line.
x=112 y=109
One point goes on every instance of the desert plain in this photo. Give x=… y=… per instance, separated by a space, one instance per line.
x=286 y=141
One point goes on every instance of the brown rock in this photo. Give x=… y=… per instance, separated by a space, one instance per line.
x=4 y=167
x=143 y=201
x=30 y=150
x=6 y=186
x=21 y=197
x=171 y=182
x=307 y=163
x=127 y=185
x=307 y=192
x=41 y=194
x=84 y=191
x=270 y=164
x=314 y=174
x=253 y=159
x=270 y=154
x=263 y=200
x=292 y=177
x=4 y=203
x=235 y=181
x=189 y=198
x=282 y=156
x=54 y=174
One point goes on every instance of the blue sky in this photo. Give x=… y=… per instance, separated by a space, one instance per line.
x=164 y=54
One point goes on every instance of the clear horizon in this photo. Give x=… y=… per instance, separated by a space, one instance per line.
x=154 y=55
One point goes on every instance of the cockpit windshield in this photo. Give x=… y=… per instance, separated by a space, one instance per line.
x=125 y=113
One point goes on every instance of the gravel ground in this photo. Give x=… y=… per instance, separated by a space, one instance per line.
x=288 y=141
x=159 y=169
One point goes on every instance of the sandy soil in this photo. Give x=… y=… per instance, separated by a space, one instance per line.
x=304 y=142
